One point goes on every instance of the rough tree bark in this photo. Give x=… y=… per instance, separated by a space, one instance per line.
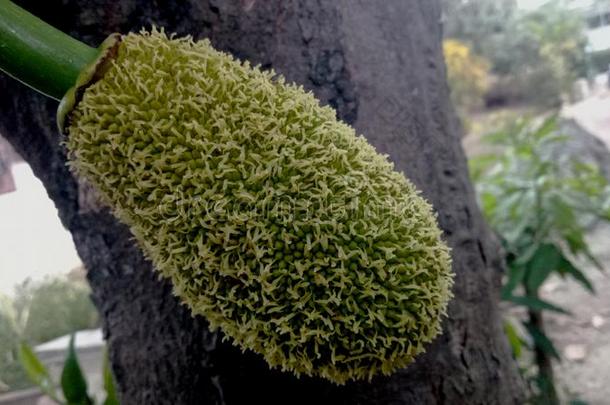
x=379 y=63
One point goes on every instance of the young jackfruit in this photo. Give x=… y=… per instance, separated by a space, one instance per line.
x=270 y=217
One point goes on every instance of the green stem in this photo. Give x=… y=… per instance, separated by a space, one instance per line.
x=546 y=380
x=39 y=55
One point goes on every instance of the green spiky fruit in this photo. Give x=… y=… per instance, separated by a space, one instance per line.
x=270 y=217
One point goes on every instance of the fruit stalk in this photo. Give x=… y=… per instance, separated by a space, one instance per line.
x=38 y=54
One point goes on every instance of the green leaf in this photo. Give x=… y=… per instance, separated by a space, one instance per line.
x=478 y=165
x=525 y=255
x=489 y=203
x=543 y=262
x=36 y=371
x=546 y=128
x=535 y=303
x=517 y=230
x=497 y=138
x=73 y=383
x=513 y=339
x=511 y=203
x=542 y=341
x=556 y=139
x=566 y=266
x=564 y=215
x=577 y=244
x=111 y=397
x=591 y=258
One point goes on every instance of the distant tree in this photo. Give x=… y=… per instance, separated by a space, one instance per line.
x=558 y=35
x=39 y=312
x=9 y=335
x=467 y=74
x=535 y=56
x=55 y=307
x=11 y=374
x=482 y=24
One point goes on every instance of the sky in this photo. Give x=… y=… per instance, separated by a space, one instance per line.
x=33 y=242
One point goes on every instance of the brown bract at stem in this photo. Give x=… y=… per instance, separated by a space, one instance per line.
x=93 y=72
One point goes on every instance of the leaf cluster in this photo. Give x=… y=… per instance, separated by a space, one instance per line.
x=540 y=201
x=72 y=388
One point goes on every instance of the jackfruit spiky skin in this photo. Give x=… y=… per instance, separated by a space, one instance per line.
x=270 y=217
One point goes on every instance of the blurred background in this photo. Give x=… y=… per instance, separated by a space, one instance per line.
x=530 y=81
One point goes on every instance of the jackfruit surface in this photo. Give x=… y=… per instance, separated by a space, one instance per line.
x=271 y=218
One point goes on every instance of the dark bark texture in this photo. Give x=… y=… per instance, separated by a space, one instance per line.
x=379 y=63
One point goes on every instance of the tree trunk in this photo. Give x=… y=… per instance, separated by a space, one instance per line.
x=379 y=63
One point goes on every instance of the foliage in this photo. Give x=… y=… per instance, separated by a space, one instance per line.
x=36 y=371
x=484 y=24
x=11 y=375
x=53 y=308
x=556 y=38
x=73 y=384
x=37 y=313
x=534 y=56
x=489 y=120
x=270 y=217
x=539 y=202
x=9 y=335
x=467 y=74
